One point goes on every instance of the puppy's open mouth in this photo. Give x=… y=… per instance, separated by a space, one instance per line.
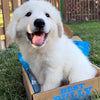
x=37 y=38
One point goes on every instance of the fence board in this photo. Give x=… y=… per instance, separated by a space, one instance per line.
x=53 y=2
x=58 y=4
x=74 y=10
x=88 y=9
x=0 y=45
x=64 y=11
x=1 y=33
x=79 y=13
x=1 y=30
x=69 y=9
x=71 y=12
x=6 y=13
x=6 y=16
x=83 y=10
x=94 y=11
x=14 y=4
x=22 y=1
x=98 y=9
x=91 y=9
x=79 y=10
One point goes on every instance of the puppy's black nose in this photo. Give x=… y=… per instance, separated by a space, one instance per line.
x=39 y=23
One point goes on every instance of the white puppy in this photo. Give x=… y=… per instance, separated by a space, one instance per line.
x=37 y=29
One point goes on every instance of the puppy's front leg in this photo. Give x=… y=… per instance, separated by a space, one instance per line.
x=52 y=79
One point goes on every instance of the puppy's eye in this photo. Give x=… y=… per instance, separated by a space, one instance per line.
x=47 y=14
x=28 y=14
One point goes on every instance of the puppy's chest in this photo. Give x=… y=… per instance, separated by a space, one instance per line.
x=45 y=61
x=38 y=63
x=39 y=66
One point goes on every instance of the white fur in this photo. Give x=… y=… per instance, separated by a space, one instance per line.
x=59 y=58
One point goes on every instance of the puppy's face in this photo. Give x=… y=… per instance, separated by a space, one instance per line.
x=36 y=22
x=39 y=26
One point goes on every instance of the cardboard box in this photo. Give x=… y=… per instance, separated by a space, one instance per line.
x=69 y=92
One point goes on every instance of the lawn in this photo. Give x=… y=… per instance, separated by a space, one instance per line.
x=11 y=85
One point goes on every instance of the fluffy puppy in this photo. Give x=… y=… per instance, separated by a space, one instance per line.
x=37 y=29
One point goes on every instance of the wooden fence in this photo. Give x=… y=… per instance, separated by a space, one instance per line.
x=73 y=10
x=80 y=10
x=8 y=7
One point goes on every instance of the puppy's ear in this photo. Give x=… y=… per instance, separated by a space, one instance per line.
x=11 y=30
x=60 y=29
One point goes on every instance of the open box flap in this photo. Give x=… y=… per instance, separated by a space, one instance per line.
x=76 y=38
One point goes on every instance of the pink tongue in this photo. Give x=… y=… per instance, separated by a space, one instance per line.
x=38 y=40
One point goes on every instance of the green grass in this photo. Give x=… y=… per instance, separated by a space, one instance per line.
x=11 y=85
x=89 y=31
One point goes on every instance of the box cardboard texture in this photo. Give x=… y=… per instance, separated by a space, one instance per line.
x=68 y=92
